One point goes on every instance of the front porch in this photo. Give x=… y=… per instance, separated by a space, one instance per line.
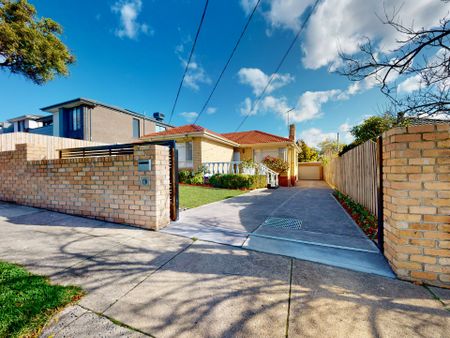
x=240 y=167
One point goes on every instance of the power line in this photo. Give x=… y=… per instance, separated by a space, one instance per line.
x=259 y=98
x=228 y=61
x=189 y=59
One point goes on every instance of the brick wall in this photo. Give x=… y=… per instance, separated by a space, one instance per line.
x=106 y=188
x=416 y=165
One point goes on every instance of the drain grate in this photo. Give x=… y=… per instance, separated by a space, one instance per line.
x=283 y=222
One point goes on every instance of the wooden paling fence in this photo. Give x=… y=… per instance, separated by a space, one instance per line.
x=8 y=142
x=356 y=174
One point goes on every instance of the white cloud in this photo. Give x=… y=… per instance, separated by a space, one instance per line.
x=409 y=85
x=189 y=116
x=310 y=104
x=342 y=25
x=196 y=74
x=286 y=13
x=257 y=79
x=211 y=110
x=345 y=134
x=129 y=26
x=246 y=107
x=269 y=104
x=248 y=5
x=314 y=136
x=350 y=22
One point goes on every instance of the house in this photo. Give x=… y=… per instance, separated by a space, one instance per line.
x=198 y=145
x=36 y=124
x=90 y=120
x=6 y=127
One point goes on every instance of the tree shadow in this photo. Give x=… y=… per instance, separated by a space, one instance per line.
x=170 y=286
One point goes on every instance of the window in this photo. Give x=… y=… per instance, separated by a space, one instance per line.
x=75 y=118
x=188 y=151
x=159 y=128
x=282 y=154
x=136 y=128
x=21 y=125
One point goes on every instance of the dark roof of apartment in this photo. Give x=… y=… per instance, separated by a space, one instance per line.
x=92 y=103
x=25 y=117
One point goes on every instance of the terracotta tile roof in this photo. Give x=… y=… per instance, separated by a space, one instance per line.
x=254 y=137
x=186 y=129
x=244 y=137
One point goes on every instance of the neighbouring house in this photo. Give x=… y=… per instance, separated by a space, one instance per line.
x=30 y=123
x=198 y=146
x=90 y=120
x=6 y=127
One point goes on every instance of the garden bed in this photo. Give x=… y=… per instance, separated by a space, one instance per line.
x=361 y=215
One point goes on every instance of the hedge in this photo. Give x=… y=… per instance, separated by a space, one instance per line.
x=238 y=181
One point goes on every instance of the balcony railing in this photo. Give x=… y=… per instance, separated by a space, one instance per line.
x=235 y=167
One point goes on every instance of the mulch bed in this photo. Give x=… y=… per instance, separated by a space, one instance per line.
x=361 y=215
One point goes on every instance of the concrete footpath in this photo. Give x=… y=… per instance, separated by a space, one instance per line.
x=143 y=283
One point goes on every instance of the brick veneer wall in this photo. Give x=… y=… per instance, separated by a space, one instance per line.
x=106 y=188
x=416 y=166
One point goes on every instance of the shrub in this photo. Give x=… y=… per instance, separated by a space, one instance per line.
x=238 y=181
x=276 y=164
x=197 y=178
x=188 y=177
x=184 y=176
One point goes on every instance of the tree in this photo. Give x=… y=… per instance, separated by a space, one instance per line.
x=372 y=127
x=328 y=148
x=307 y=154
x=422 y=57
x=30 y=46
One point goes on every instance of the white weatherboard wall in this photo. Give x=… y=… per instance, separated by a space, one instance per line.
x=53 y=144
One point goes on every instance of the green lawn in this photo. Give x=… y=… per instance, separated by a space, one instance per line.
x=27 y=301
x=192 y=196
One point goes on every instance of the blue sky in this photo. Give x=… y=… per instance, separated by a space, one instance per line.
x=131 y=53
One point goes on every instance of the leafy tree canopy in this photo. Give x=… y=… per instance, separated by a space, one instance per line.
x=30 y=45
x=329 y=148
x=372 y=127
x=308 y=154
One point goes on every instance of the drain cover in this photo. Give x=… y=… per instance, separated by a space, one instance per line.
x=283 y=222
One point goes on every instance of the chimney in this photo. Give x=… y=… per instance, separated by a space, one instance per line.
x=292 y=132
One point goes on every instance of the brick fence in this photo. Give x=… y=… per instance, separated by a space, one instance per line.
x=106 y=188
x=416 y=178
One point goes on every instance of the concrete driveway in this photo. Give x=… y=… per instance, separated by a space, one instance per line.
x=304 y=222
x=143 y=283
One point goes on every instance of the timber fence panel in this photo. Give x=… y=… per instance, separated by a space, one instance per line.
x=52 y=143
x=355 y=174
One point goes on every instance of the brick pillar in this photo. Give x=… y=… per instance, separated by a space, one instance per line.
x=156 y=212
x=416 y=165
